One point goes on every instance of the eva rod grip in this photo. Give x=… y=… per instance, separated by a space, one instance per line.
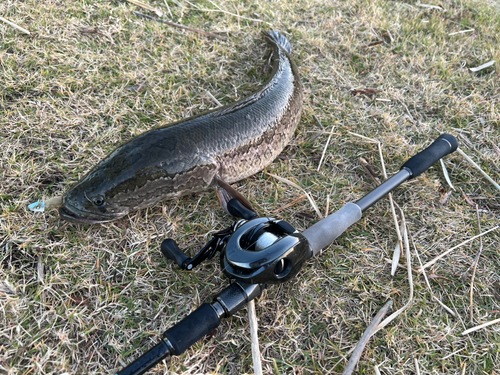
x=445 y=144
x=325 y=231
x=192 y=328
x=147 y=360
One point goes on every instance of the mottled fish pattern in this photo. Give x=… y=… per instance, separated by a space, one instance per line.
x=192 y=155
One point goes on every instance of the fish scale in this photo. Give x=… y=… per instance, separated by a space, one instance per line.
x=227 y=144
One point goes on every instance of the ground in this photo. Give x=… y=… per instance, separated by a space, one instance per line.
x=92 y=75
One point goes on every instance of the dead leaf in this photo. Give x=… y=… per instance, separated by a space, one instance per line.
x=376 y=43
x=369 y=170
x=306 y=215
x=446 y=175
x=90 y=30
x=444 y=197
x=434 y=276
x=468 y=200
x=430 y=6
x=77 y=300
x=481 y=67
x=365 y=92
x=138 y=88
x=287 y=156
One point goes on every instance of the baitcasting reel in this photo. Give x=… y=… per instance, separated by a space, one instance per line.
x=254 y=250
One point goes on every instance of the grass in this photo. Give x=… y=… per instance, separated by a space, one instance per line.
x=92 y=75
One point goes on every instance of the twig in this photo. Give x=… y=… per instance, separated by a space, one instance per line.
x=326 y=146
x=450 y=311
x=478 y=167
x=252 y=316
x=446 y=175
x=371 y=140
x=214 y=99
x=368 y=169
x=452 y=354
x=370 y=331
x=461 y=32
x=141 y=4
x=311 y=200
x=417 y=368
x=473 y=329
x=180 y=26
x=429 y=6
x=319 y=122
x=430 y=263
x=168 y=8
x=295 y=201
x=193 y=5
x=397 y=251
x=476 y=261
x=393 y=316
x=15 y=26
x=395 y=257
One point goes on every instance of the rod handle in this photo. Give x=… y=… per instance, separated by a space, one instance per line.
x=325 y=231
x=171 y=250
x=445 y=144
x=148 y=360
x=192 y=328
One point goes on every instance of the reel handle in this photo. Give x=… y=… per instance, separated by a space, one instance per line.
x=171 y=250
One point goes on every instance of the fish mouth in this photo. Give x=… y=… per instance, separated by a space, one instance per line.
x=69 y=215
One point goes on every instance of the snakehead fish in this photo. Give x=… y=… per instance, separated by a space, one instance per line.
x=209 y=150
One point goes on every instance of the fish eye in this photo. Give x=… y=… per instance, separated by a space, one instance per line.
x=98 y=201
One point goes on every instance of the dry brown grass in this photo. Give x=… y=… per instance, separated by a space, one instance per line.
x=81 y=300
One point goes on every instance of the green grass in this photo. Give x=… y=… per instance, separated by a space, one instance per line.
x=93 y=75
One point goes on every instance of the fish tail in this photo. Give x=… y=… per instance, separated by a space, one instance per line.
x=279 y=39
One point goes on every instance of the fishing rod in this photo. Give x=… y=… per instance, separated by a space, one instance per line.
x=258 y=251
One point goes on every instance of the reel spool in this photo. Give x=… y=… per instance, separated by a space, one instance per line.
x=264 y=250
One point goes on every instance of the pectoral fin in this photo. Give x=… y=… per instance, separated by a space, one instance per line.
x=225 y=193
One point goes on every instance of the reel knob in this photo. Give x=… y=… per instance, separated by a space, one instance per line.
x=171 y=250
x=265 y=250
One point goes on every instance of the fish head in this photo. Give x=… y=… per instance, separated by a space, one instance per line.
x=89 y=201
